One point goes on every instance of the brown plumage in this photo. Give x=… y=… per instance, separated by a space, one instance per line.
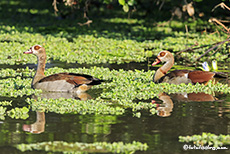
x=61 y=82
x=72 y=78
x=178 y=76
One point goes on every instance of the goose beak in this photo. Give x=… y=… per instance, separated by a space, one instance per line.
x=156 y=61
x=28 y=52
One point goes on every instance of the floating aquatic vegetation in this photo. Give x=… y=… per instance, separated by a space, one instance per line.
x=92 y=49
x=207 y=139
x=122 y=90
x=6 y=103
x=18 y=113
x=2 y=110
x=62 y=105
x=14 y=87
x=78 y=147
x=7 y=73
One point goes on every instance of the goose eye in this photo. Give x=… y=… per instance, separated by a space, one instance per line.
x=37 y=47
x=162 y=54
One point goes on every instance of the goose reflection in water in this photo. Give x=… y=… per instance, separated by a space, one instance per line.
x=165 y=109
x=39 y=125
x=56 y=95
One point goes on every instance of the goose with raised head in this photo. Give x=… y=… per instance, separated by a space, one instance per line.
x=178 y=76
x=61 y=82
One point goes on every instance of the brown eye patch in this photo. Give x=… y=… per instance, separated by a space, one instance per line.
x=37 y=47
x=162 y=54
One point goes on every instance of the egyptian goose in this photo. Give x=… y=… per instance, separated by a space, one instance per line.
x=177 y=76
x=61 y=82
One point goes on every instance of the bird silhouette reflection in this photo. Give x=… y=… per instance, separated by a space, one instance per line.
x=39 y=125
x=166 y=107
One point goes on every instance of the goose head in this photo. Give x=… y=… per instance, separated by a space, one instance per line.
x=37 y=50
x=163 y=56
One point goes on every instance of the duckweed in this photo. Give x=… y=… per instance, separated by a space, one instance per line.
x=61 y=106
x=92 y=49
x=18 y=113
x=122 y=90
x=2 y=110
x=7 y=73
x=6 y=103
x=96 y=147
x=14 y=87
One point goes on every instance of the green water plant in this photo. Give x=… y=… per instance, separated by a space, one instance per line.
x=127 y=90
x=14 y=87
x=6 y=103
x=18 y=113
x=14 y=112
x=93 y=49
x=207 y=139
x=11 y=73
x=3 y=108
x=2 y=112
x=123 y=90
x=62 y=106
x=79 y=147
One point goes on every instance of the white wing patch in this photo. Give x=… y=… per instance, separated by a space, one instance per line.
x=186 y=75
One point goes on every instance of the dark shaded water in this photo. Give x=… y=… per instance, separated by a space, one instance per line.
x=180 y=115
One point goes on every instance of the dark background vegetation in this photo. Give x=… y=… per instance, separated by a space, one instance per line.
x=39 y=16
